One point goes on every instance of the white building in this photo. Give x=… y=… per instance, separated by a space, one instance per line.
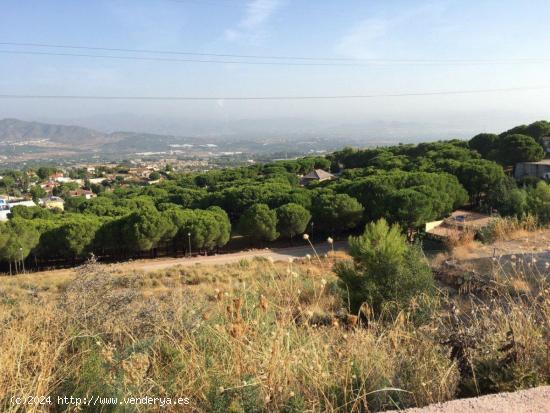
x=97 y=181
x=4 y=210
x=66 y=180
x=5 y=207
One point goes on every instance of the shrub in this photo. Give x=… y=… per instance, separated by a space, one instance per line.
x=385 y=269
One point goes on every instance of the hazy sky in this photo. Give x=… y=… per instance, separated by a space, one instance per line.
x=500 y=30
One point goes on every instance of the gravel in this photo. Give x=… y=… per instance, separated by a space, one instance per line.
x=525 y=401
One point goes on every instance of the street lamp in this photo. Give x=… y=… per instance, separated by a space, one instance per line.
x=331 y=243
x=189 y=237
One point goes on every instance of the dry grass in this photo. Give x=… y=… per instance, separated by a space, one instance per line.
x=460 y=238
x=508 y=228
x=467 y=251
x=258 y=336
x=461 y=245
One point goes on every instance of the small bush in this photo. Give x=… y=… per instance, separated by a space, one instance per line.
x=386 y=271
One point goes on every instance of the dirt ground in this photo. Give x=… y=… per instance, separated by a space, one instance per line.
x=525 y=250
x=277 y=254
x=525 y=401
x=537 y=242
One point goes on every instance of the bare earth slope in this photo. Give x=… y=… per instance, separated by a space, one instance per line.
x=525 y=401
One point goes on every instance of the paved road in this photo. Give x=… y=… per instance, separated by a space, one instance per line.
x=526 y=401
x=277 y=254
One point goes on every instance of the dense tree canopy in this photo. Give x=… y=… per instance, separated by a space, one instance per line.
x=75 y=238
x=520 y=144
x=484 y=143
x=479 y=176
x=518 y=148
x=144 y=229
x=405 y=184
x=535 y=130
x=438 y=194
x=336 y=212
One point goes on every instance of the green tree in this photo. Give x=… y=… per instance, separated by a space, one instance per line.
x=7 y=183
x=536 y=130
x=411 y=208
x=64 y=189
x=74 y=203
x=484 y=143
x=336 y=211
x=37 y=192
x=376 y=192
x=100 y=206
x=76 y=237
x=518 y=148
x=292 y=220
x=154 y=176
x=507 y=198
x=259 y=223
x=208 y=229
x=538 y=201
x=110 y=238
x=386 y=272
x=144 y=229
x=224 y=225
x=44 y=172
x=479 y=176
x=18 y=238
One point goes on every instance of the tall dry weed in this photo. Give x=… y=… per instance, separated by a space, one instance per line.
x=261 y=336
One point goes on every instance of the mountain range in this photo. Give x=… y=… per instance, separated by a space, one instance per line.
x=23 y=141
x=15 y=131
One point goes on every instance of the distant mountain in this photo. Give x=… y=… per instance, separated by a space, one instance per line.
x=22 y=141
x=18 y=131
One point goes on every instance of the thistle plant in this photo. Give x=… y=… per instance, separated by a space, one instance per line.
x=306 y=237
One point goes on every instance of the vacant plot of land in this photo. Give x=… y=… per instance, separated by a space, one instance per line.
x=257 y=335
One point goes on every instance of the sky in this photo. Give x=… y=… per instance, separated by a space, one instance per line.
x=446 y=38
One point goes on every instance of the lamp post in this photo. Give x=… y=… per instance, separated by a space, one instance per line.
x=312 y=225
x=189 y=237
x=22 y=260
x=331 y=243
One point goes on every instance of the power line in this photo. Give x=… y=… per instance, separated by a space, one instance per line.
x=169 y=59
x=172 y=52
x=263 y=63
x=256 y=98
x=317 y=7
x=252 y=56
x=213 y=3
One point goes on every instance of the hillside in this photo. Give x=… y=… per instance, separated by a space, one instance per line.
x=21 y=141
x=14 y=131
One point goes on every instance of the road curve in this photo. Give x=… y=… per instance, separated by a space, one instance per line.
x=277 y=254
